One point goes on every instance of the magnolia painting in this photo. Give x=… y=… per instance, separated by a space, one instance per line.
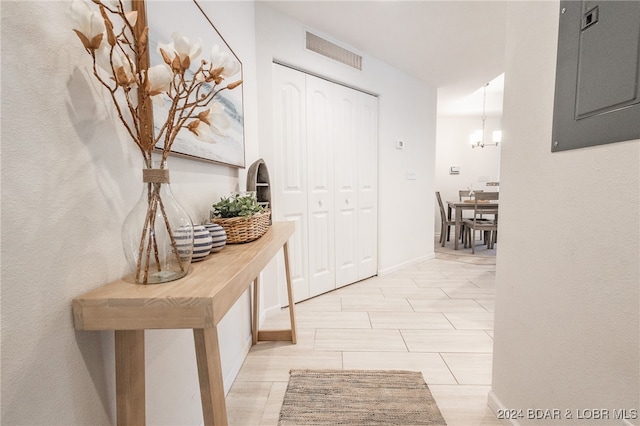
x=175 y=20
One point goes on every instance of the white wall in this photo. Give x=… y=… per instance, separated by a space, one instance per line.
x=477 y=165
x=70 y=175
x=407 y=109
x=567 y=302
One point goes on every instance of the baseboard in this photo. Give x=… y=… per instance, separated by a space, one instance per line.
x=235 y=369
x=267 y=312
x=497 y=406
x=231 y=376
x=392 y=269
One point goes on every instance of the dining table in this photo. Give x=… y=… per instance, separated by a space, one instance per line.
x=458 y=207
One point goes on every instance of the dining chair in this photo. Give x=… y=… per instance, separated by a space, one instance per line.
x=477 y=222
x=445 y=222
x=465 y=194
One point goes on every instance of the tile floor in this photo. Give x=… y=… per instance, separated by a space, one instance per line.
x=435 y=317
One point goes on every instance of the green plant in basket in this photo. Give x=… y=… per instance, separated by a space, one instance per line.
x=237 y=205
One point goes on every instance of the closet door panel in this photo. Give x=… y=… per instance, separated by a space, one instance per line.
x=320 y=133
x=367 y=240
x=346 y=247
x=346 y=185
x=290 y=178
x=321 y=271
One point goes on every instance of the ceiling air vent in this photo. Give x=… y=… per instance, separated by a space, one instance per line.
x=333 y=51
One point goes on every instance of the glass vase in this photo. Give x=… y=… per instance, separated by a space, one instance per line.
x=157 y=234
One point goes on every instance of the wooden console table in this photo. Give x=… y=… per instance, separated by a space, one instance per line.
x=197 y=301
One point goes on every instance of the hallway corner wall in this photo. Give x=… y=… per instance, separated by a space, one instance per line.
x=567 y=295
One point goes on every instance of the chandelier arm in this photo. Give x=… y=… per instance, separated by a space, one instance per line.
x=484 y=111
x=481 y=143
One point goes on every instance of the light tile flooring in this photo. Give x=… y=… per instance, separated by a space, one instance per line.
x=435 y=317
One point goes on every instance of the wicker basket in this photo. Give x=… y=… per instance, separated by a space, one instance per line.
x=242 y=229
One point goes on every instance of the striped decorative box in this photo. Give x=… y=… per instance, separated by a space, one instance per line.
x=218 y=235
x=184 y=242
x=202 y=243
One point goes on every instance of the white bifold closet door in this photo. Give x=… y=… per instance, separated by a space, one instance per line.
x=325 y=138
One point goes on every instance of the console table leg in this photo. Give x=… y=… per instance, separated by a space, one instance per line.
x=214 y=408
x=292 y=315
x=130 y=391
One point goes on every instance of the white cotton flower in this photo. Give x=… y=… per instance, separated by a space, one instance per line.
x=88 y=22
x=123 y=67
x=224 y=60
x=115 y=63
x=185 y=47
x=159 y=79
x=181 y=47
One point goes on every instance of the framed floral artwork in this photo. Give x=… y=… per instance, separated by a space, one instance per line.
x=186 y=19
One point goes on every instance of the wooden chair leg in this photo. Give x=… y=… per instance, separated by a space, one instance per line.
x=473 y=241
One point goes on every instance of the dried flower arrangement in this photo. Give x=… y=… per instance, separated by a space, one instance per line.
x=118 y=45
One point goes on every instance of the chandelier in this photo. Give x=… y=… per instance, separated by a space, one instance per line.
x=477 y=138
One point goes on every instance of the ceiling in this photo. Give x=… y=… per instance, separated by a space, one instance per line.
x=456 y=45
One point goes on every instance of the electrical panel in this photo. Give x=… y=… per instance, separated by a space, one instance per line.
x=597 y=93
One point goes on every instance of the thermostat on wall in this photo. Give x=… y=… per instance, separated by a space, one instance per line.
x=454 y=170
x=400 y=144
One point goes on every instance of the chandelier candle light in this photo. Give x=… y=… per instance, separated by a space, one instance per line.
x=118 y=45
